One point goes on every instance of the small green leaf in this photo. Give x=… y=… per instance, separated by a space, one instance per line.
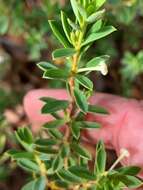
x=82 y=152
x=82 y=11
x=57 y=163
x=73 y=25
x=28 y=165
x=25 y=138
x=62 y=184
x=129 y=170
x=91 y=8
x=38 y=184
x=68 y=176
x=100 y=162
x=75 y=130
x=95 y=27
x=53 y=105
x=59 y=33
x=60 y=74
x=97 y=60
x=95 y=16
x=2 y=142
x=29 y=186
x=65 y=150
x=66 y=27
x=28 y=135
x=131 y=181
x=46 y=150
x=97 y=109
x=46 y=65
x=82 y=172
x=95 y=64
x=74 y=5
x=87 y=124
x=45 y=142
x=54 y=124
x=64 y=52
x=98 y=35
x=20 y=154
x=71 y=161
x=4 y=24
x=81 y=100
x=55 y=134
x=99 y=3
x=84 y=81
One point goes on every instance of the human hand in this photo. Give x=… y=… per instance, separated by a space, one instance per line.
x=122 y=128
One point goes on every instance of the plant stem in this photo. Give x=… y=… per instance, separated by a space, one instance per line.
x=74 y=69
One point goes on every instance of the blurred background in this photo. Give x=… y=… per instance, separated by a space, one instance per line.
x=25 y=39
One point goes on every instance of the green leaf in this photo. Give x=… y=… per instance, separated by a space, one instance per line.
x=75 y=130
x=73 y=25
x=81 y=100
x=20 y=154
x=91 y=8
x=98 y=35
x=87 y=124
x=66 y=27
x=95 y=16
x=60 y=74
x=29 y=186
x=97 y=60
x=4 y=24
x=54 y=124
x=53 y=105
x=28 y=165
x=84 y=81
x=57 y=163
x=100 y=162
x=71 y=161
x=82 y=11
x=82 y=172
x=45 y=142
x=59 y=33
x=95 y=64
x=68 y=176
x=131 y=181
x=62 y=184
x=2 y=142
x=64 y=52
x=46 y=65
x=99 y=3
x=97 y=109
x=25 y=138
x=129 y=170
x=95 y=27
x=28 y=135
x=74 y=5
x=82 y=152
x=55 y=134
x=38 y=184
x=46 y=150
x=65 y=150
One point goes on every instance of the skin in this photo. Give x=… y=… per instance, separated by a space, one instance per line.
x=122 y=128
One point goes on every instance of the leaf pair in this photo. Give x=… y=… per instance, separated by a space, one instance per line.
x=53 y=105
x=25 y=138
x=76 y=126
x=53 y=72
